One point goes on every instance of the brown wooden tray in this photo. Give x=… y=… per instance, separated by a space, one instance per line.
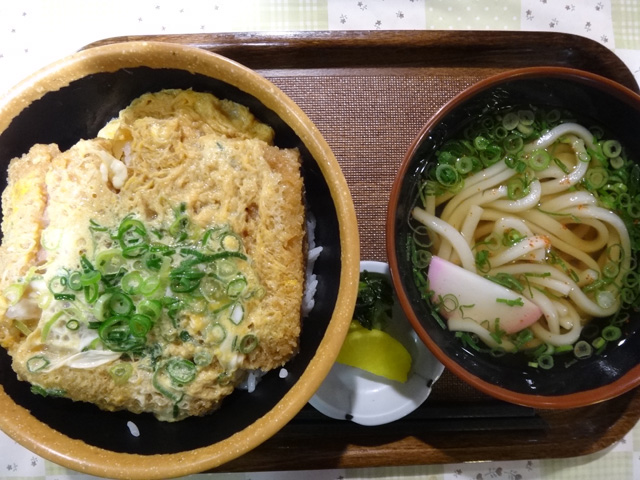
x=369 y=93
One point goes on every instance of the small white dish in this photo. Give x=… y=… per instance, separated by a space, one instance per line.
x=349 y=393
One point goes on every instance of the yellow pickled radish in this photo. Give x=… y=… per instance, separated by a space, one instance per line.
x=376 y=352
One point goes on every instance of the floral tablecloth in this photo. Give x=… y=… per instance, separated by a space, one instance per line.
x=34 y=33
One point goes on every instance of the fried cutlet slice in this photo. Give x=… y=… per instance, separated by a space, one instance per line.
x=174 y=148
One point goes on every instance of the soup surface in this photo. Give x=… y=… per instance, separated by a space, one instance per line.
x=526 y=236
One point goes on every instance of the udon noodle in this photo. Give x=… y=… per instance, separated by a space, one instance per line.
x=542 y=207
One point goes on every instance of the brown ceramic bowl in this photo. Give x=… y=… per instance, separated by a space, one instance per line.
x=72 y=99
x=601 y=377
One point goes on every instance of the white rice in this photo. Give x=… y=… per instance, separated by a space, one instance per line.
x=311 y=282
x=251 y=381
x=133 y=428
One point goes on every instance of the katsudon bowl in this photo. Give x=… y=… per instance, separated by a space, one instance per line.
x=553 y=377
x=73 y=99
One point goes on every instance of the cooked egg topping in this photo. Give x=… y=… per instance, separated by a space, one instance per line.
x=142 y=292
x=151 y=268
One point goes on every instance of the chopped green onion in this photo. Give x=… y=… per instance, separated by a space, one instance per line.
x=526 y=117
x=631 y=279
x=96 y=227
x=116 y=335
x=561 y=165
x=164 y=384
x=628 y=296
x=506 y=280
x=150 y=308
x=612 y=148
x=599 y=343
x=121 y=304
x=482 y=260
x=47 y=392
x=605 y=299
x=481 y=142
x=616 y=163
x=564 y=349
x=525 y=129
x=131 y=228
x=490 y=155
x=517 y=189
x=139 y=325
x=181 y=371
x=230 y=242
x=545 y=362
x=178 y=228
x=464 y=165
x=520 y=166
x=20 y=325
x=448 y=303
x=121 y=372
x=131 y=282
x=513 y=143
x=154 y=260
x=91 y=293
x=524 y=336
x=135 y=251
x=500 y=132
x=509 y=161
x=74 y=281
x=511 y=237
x=64 y=296
x=89 y=278
x=86 y=265
x=14 y=292
x=447 y=175
x=510 y=120
x=611 y=333
x=202 y=358
x=611 y=270
x=184 y=283
x=109 y=261
x=248 y=343
x=216 y=334
x=596 y=178
x=225 y=268
x=73 y=324
x=37 y=363
x=553 y=116
x=236 y=287
x=212 y=289
x=582 y=349
x=101 y=306
x=512 y=303
x=58 y=284
x=539 y=159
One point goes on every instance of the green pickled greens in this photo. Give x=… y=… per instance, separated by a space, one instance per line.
x=374 y=302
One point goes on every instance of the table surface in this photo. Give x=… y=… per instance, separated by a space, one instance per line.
x=34 y=33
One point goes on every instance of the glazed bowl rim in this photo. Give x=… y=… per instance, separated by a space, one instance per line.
x=19 y=424
x=626 y=382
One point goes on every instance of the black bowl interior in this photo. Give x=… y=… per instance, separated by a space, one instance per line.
x=582 y=97
x=78 y=111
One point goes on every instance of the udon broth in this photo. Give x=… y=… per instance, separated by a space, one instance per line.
x=546 y=206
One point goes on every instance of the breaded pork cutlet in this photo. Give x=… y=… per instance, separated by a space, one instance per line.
x=151 y=268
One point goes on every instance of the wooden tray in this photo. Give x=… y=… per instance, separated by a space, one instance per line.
x=369 y=93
